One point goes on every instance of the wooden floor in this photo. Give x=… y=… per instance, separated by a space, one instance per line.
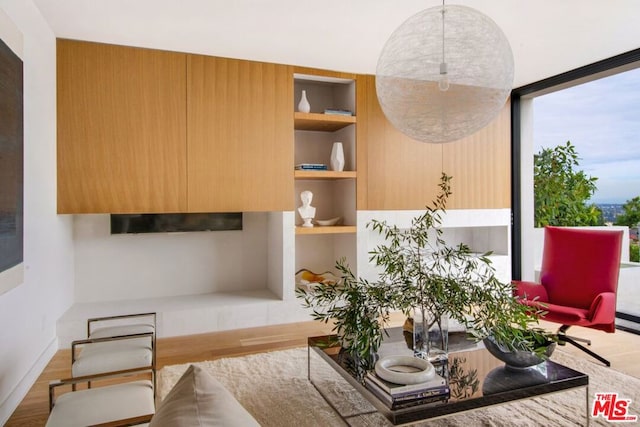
x=621 y=348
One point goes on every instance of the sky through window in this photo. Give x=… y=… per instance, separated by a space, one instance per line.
x=602 y=120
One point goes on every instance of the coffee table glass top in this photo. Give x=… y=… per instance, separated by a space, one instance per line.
x=475 y=377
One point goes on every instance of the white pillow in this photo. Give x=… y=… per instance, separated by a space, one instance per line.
x=198 y=399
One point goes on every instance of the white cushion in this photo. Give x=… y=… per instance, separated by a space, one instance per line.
x=114 y=331
x=198 y=399
x=102 y=404
x=113 y=356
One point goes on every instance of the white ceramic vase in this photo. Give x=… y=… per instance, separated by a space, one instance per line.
x=337 y=157
x=303 y=105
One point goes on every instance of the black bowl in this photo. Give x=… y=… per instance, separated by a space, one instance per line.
x=517 y=359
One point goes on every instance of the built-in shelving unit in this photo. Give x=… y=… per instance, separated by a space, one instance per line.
x=334 y=192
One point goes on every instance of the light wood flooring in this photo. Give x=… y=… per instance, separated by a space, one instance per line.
x=621 y=348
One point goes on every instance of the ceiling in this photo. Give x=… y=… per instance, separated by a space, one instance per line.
x=547 y=36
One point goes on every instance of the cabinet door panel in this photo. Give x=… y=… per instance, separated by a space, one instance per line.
x=121 y=129
x=480 y=165
x=397 y=172
x=400 y=173
x=240 y=135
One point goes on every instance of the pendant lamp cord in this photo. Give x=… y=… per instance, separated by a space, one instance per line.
x=443 y=59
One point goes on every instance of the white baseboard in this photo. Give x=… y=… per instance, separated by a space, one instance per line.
x=20 y=391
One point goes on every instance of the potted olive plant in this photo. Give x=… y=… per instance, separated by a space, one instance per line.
x=431 y=280
x=419 y=272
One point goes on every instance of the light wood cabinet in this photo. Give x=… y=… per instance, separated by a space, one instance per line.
x=149 y=131
x=480 y=165
x=240 y=135
x=398 y=173
x=121 y=129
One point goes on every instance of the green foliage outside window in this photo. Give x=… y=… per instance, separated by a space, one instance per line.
x=631 y=218
x=561 y=191
x=634 y=252
x=631 y=213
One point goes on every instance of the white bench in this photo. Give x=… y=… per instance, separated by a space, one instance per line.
x=131 y=401
x=116 y=343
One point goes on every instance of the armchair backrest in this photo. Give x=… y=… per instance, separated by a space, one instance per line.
x=578 y=264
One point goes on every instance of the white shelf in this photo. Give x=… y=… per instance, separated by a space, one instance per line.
x=322 y=122
x=335 y=229
x=311 y=174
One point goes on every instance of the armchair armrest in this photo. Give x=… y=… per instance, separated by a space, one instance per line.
x=603 y=308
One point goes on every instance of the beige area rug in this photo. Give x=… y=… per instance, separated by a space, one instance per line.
x=274 y=388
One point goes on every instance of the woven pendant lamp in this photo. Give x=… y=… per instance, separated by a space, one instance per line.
x=444 y=74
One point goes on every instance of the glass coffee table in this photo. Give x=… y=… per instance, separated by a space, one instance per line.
x=475 y=377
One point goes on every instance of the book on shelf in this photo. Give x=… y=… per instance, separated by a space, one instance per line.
x=311 y=166
x=338 y=111
x=420 y=397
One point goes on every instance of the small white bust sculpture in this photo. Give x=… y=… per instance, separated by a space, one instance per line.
x=306 y=211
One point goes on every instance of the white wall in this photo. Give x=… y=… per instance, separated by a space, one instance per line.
x=28 y=313
x=135 y=266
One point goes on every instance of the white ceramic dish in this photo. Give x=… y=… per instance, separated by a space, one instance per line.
x=331 y=221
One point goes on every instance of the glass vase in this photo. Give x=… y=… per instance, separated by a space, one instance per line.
x=430 y=335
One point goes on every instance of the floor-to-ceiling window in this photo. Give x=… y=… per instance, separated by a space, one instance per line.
x=595 y=107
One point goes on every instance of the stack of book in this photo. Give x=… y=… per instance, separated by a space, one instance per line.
x=311 y=167
x=397 y=396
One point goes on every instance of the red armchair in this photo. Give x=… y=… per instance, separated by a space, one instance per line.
x=578 y=281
